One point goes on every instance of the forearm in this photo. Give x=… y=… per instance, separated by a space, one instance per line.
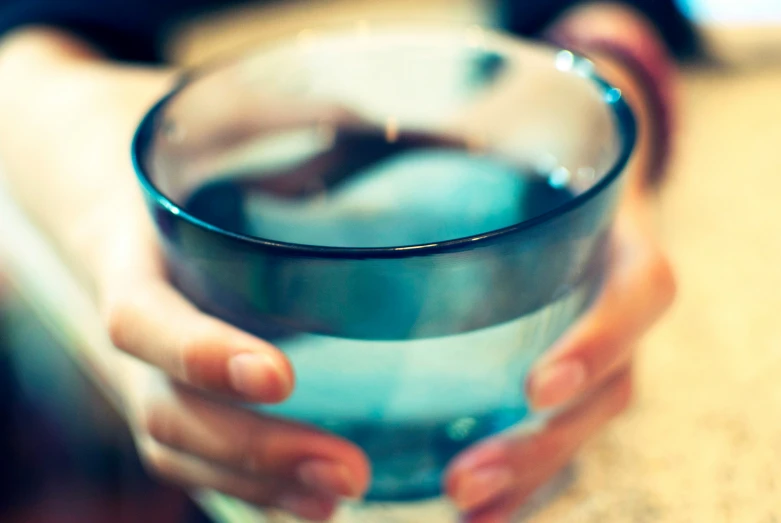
x=52 y=159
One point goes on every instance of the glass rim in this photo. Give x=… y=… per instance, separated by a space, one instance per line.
x=625 y=126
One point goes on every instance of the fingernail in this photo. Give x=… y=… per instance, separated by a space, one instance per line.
x=482 y=486
x=556 y=384
x=329 y=478
x=257 y=376
x=307 y=507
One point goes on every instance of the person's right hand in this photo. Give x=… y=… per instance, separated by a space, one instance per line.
x=183 y=377
x=181 y=408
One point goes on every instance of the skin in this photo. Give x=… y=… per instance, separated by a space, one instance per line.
x=174 y=368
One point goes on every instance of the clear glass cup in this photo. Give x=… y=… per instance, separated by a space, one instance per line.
x=414 y=214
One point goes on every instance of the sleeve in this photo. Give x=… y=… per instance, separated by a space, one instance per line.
x=129 y=30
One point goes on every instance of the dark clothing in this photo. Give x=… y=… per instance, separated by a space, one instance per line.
x=135 y=30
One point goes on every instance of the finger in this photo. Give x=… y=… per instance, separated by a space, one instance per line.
x=151 y=321
x=639 y=289
x=250 y=443
x=490 y=481
x=191 y=472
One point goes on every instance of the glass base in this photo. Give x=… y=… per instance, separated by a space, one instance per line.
x=435 y=510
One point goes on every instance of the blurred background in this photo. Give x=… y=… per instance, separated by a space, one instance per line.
x=703 y=440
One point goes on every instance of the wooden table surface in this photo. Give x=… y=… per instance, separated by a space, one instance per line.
x=702 y=442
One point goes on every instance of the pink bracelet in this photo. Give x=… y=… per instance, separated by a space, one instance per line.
x=639 y=50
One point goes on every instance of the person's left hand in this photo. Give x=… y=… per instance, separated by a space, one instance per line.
x=590 y=368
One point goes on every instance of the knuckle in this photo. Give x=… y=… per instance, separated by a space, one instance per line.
x=258 y=453
x=195 y=357
x=624 y=394
x=662 y=278
x=600 y=351
x=124 y=315
x=545 y=445
x=261 y=495
x=246 y=453
x=158 y=422
x=201 y=352
x=158 y=461
x=119 y=319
